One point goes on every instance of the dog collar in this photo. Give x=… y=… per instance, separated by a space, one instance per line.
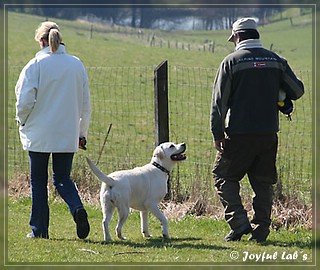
x=160 y=167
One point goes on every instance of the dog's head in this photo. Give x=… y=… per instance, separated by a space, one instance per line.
x=168 y=154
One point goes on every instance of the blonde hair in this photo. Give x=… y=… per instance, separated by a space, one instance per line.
x=50 y=32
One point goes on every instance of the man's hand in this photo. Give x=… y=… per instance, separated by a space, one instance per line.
x=286 y=107
x=219 y=145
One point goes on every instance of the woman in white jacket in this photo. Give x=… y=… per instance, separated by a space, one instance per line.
x=53 y=112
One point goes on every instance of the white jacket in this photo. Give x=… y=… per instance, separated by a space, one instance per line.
x=53 y=102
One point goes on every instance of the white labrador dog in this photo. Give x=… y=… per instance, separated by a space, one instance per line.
x=141 y=188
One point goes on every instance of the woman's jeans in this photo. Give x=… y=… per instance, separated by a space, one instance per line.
x=61 y=168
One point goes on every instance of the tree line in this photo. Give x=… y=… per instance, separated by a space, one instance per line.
x=212 y=18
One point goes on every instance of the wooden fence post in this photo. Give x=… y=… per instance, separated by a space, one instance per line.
x=161 y=103
x=161 y=110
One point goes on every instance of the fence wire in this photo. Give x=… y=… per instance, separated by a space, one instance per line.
x=124 y=96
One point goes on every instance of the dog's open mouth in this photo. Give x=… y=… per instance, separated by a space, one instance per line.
x=178 y=157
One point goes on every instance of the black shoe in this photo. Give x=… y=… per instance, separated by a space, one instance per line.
x=31 y=235
x=237 y=234
x=257 y=239
x=259 y=234
x=81 y=219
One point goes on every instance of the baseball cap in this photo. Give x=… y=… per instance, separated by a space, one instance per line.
x=242 y=24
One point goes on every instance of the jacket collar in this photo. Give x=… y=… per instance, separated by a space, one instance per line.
x=248 y=44
x=46 y=50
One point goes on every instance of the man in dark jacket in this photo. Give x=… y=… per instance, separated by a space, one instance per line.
x=251 y=86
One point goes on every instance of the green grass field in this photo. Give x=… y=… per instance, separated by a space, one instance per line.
x=114 y=49
x=194 y=240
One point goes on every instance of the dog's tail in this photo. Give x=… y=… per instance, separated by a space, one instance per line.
x=104 y=178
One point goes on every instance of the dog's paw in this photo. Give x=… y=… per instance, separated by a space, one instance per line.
x=146 y=235
x=166 y=236
x=121 y=237
x=108 y=239
x=105 y=242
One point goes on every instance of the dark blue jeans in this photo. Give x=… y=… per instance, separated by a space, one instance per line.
x=61 y=168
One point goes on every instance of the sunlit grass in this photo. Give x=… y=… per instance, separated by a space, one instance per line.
x=194 y=240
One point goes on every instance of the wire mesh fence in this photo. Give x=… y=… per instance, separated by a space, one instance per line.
x=124 y=96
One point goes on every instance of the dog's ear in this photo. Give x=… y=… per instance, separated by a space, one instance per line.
x=158 y=153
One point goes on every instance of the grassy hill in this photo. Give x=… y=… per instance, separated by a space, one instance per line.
x=107 y=48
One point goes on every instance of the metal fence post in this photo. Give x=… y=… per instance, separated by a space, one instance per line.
x=161 y=103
